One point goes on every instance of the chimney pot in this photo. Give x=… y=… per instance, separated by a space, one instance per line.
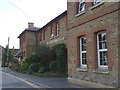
x=30 y=25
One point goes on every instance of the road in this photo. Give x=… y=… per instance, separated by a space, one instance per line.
x=12 y=82
x=12 y=79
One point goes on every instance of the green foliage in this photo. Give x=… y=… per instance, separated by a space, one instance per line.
x=33 y=68
x=46 y=54
x=53 y=66
x=34 y=58
x=41 y=69
x=61 y=57
x=10 y=57
x=24 y=65
x=46 y=58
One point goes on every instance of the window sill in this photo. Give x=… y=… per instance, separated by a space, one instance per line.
x=99 y=71
x=82 y=69
x=51 y=38
x=56 y=36
x=96 y=5
x=79 y=14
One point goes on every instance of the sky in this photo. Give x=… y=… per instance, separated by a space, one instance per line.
x=15 y=15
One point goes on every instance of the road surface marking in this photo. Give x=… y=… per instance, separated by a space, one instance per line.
x=29 y=82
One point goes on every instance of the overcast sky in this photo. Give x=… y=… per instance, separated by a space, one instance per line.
x=15 y=15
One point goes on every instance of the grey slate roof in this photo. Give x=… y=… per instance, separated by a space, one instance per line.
x=18 y=54
x=34 y=29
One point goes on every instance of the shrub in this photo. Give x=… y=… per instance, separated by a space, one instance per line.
x=46 y=54
x=61 y=57
x=34 y=58
x=41 y=70
x=33 y=68
x=53 y=66
x=24 y=65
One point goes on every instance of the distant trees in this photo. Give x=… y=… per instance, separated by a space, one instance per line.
x=7 y=54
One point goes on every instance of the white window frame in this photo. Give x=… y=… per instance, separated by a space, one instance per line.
x=101 y=50
x=57 y=29
x=97 y=1
x=80 y=5
x=52 y=32
x=81 y=52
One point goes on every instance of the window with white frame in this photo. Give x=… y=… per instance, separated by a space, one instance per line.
x=81 y=6
x=83 y=62
x=52 y=30
x=56 y=29
x=102 y=50
x=97 y=1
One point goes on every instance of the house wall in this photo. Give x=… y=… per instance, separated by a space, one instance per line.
x=1 y=54
x=28 y=43
x=23 y=44
x=31 y=43
x=94 y=20
x=61 y=38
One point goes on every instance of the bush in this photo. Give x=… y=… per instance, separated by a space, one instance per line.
x=61 y=57
x=46 y=54
x=24 y=65
x=34 y=58
x=41 y=70
x=33 y=68
x=53 y=66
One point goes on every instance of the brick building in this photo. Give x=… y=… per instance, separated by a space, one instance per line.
x=1 y=54
x=28 y=40
x=54 y=32
x=90 y=31
x=92 y=42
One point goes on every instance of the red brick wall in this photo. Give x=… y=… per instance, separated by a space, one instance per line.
x=103 y=17
x=55 y=39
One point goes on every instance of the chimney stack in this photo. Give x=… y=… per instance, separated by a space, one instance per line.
x=30 y=25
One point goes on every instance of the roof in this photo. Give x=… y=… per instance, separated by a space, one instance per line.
x=34 y=29
x=1 y=46
x=54 y=20
x=18 y=54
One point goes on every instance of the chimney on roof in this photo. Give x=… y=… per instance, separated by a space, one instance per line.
x=30 y=25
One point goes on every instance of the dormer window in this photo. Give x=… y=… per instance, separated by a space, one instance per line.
x=81 y=6
x=97 y=1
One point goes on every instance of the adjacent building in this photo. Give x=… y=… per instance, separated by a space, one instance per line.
x=1 y=54
x=28 y=40
x=54 y=32
x=90 y=31
x=92 y=42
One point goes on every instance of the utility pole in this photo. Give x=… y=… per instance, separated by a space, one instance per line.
x=8 y=52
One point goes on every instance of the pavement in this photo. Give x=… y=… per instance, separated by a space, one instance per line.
x=45 y=82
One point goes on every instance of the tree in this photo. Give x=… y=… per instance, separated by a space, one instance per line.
x=6 y=55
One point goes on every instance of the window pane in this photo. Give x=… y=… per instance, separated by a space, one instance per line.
x=83 y=58
x=103 y=36
x=102 y=41
x=102 y=45
x=103 y=58
x=83 y=42
x=81 y=5
x=83 y=51
x=97 y=1
x=84 y=47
